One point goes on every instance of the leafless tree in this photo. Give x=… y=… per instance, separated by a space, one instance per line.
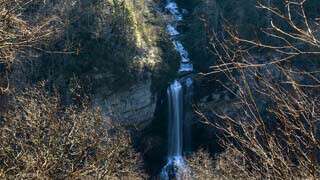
x=274 y=130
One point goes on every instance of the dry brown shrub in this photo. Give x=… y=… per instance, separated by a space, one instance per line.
x=201 y=165
x=41 y=139
x=20 y=32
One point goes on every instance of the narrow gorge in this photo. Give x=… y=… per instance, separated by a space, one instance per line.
x=176 y=166
x=160 y=89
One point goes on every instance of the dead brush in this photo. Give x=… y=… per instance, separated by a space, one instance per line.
x=19 y=35
x=42 y=139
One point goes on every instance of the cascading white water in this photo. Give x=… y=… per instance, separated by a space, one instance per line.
x=174 y=94
x=176 y=167
x=185 y=65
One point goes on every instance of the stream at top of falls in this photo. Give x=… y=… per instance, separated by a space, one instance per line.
x=178 y=93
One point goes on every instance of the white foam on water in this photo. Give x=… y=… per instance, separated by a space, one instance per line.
x=177 y=168
x=185 y=60
x=189 y=82
x=172 y=30
x=172 y=7
x=181 y=50
x=186 y=67
x=176 y=86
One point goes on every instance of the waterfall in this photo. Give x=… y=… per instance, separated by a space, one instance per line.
x=174 y=94
x=185 y=65
x=178 y=92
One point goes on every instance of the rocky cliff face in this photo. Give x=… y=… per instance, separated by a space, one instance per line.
x=133 y=106
x=136 y=103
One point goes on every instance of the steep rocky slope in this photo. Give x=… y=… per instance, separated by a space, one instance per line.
x=115 y=52
x=151 y=67
x=136 y=103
